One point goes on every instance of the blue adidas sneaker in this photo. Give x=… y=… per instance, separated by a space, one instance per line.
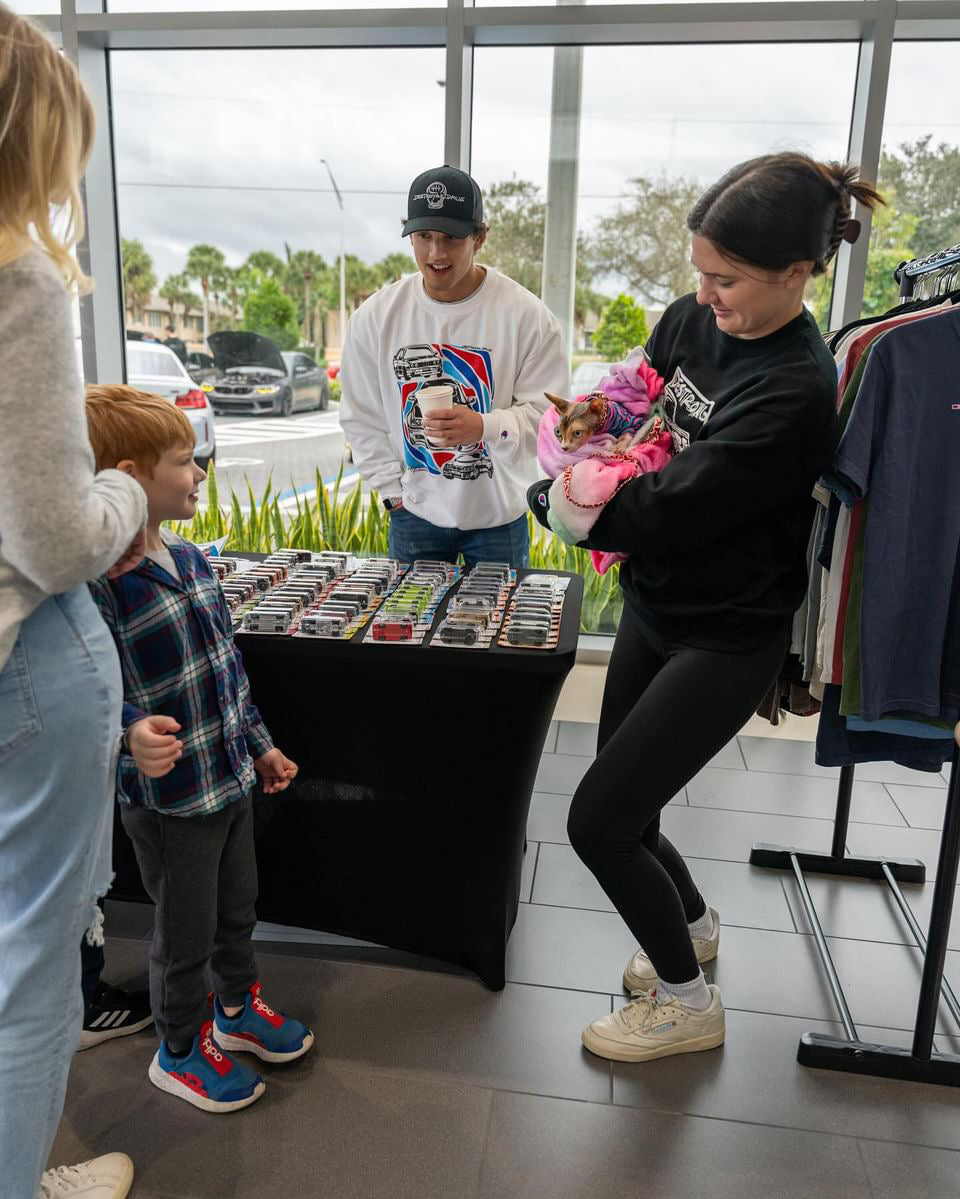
x=258 y=1029
x=207 y=1077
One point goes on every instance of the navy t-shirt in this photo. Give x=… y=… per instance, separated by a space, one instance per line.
x=901 y=448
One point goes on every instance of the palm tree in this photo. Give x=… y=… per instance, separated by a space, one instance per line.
x=207 y=265
x=176 y=290
x=138 y=277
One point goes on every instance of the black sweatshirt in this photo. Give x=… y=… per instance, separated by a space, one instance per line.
x=717 y=539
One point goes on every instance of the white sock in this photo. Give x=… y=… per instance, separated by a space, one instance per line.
x=693 y=994
x=702 y=927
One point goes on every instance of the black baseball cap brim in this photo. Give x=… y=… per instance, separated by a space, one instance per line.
x=439 y=224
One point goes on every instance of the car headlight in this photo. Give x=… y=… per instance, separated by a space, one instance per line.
x=267 y=391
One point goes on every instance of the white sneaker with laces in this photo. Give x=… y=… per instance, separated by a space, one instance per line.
x=647 y=1028
x=106 y=1177
x=641 y=975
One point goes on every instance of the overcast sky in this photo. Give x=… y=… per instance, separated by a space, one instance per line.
x=225 y=146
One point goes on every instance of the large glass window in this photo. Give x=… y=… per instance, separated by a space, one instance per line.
x=180 y=6
x=919 y=168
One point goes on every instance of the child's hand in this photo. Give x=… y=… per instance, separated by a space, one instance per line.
x=276 y=771
x=153 y=745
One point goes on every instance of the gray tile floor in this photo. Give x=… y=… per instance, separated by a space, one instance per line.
x=424 y=1084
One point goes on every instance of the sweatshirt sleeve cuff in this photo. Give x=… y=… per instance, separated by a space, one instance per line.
x=131 y=715
x=496 y=431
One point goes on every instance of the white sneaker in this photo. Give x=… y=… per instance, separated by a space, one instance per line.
x=107 y=1177
x=646 y=1029
x=641 y=975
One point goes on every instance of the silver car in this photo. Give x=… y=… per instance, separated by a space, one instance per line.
x=254 y=376
x=155 y=368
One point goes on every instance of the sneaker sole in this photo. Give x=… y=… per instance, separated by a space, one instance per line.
x=242 y=1045
x=162 y=1080
x=90 y=1038
x=622 y=1053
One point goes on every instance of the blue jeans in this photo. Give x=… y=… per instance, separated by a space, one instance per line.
x=412 y=537
x=60 y=703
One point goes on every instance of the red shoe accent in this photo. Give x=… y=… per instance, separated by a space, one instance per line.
x=208 y=1048
x=191 y=1081
x=262 y=1009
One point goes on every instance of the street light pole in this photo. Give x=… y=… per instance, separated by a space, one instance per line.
x=343 y=265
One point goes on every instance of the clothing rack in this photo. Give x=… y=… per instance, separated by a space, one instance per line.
x=850 y=1053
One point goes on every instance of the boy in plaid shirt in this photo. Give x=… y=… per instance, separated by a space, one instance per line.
x=185 y=777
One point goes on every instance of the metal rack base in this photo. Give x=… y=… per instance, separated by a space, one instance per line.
x=879 y=1061
x=778 y=857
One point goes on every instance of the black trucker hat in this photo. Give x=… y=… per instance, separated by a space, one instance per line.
x=446 y=200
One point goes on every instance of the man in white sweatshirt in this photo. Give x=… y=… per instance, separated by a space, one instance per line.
x=470 y=327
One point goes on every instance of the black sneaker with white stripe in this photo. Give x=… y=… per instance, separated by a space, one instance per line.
x=114 y=1013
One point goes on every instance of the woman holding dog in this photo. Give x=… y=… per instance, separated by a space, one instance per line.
x=716 y=567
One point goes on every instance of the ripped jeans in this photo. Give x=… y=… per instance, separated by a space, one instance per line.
x=60 y=707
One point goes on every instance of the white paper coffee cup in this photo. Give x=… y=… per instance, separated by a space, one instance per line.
x=434 y=399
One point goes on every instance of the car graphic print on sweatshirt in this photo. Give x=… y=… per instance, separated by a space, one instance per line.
x=685 y=408
x=469 y=371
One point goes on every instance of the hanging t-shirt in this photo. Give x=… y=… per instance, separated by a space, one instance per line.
x=901 y=448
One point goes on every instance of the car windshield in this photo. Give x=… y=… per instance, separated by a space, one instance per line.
x=148 y=362
x=588 y=375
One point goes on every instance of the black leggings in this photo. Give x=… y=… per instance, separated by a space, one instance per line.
x=667 y=710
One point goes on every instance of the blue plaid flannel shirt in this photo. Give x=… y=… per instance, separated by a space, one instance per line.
x=175 y=640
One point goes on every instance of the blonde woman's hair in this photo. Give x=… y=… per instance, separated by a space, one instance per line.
x=46 y=133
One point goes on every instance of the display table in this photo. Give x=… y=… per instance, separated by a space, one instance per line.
x=406 y=825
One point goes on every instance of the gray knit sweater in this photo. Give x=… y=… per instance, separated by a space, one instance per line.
x=60 y=524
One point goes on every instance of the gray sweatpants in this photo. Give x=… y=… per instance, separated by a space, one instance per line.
x=201 y=872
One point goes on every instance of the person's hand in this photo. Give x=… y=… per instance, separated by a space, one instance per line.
x=132 y=556
x=153 y=745
x=458 y=425
x=276 y=771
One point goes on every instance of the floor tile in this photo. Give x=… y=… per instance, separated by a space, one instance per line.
x=853 y=908
x=448 y=1028
x=920 y=900
x=756 y=1078
x=560 y=774
x=760 y=970
x=548 y=817
x=789 y=795
x=550 y=744
x=729 y=758
x=714 y=833
x=540 y=1148
x=741 y=894
x=797 y=757
x=528 y=870
x=563 y=947
x=922 y=806
x=910 y=1171
x=576 y=738
x=877 y=841
x=322 y=1128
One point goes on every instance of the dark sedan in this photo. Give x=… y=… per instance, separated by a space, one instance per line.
x=253 y=376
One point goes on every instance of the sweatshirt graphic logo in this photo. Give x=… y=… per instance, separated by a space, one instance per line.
x=469 y=371
x=685 y=408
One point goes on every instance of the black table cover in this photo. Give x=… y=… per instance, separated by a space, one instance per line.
x=406 y=824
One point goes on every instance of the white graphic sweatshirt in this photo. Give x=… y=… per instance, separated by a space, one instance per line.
x=500 y=350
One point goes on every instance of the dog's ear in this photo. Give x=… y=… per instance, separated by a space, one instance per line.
x=596 y=404
x=561 y=405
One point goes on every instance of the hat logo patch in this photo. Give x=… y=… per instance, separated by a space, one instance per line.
x=436 y=195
